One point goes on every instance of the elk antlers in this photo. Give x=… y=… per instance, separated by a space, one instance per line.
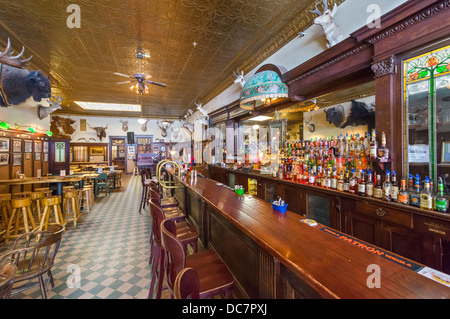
x=325 y=8
x=14 y=61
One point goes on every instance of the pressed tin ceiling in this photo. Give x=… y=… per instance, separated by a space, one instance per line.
x=81 y=61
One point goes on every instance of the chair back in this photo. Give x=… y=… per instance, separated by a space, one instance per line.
x=155 y=196
x=157 y=218
x=186 y=285
x=7 y=274
x=103 y=177
x=176 y=257
x=34 y=253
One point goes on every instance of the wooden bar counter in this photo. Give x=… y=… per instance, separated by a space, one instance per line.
x=275 y=255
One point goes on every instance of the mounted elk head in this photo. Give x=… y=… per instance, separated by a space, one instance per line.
x=326 y=21
x=124 y=125
x=175 y=132
x=164 y=126
x=7 y=58
x=239 y=77
x=144 y=126
x=101 y=131
x=55 y=104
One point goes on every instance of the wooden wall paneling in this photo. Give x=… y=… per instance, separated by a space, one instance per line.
x=37 y=157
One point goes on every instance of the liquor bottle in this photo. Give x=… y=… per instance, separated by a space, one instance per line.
x=394 y=190
x=440 y=202
x=403 y=194
x=426 y=196
x=383 y=151
x=334 y=179
x=410 y=183
x=373 y=145
x=340 y=182
x=387 y=187
x=415 y=193
x=378 y=188
x=362 y=185
x=311 y=178
x=353 y=183
x=327 y=179
x=369 y=185
x=346 y=182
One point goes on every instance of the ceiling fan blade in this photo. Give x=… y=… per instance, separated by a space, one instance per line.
x=124 y=82
x=156 y=83
x=124 y=75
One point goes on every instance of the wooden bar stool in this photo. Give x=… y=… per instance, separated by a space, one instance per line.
x=21 y=195
x=36 y=203
x=5 y=210
x=70 y=205
x=51 y=204
x=42 y=189
x=84 y=198
x=213 y=275
x=20 y=205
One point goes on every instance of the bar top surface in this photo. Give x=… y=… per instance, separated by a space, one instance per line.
x=334 y=267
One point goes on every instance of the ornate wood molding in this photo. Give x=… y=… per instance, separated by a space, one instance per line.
x=385 y=67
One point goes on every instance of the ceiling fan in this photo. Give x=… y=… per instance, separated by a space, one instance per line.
x=140 y=80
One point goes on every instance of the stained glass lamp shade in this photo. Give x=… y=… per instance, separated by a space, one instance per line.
x=260 y=87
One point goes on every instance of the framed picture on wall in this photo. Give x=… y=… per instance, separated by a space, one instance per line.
x=45 y=147
x=45 y=157
x=97 y=151
x=4 y=159
x=28 y=156
x=28 y=146
x=37 y=156
x=17 y=159
x=17 y=146
x=4 y=144
x=37 y=147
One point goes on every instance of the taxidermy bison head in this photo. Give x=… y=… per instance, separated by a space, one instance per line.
x=335 y=115
x=20 y=84
x=361 y=114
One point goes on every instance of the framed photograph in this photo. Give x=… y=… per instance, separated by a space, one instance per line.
x=45 y=147
x=97 y=151
x=445 y=157
x=37 y=156
x=17 y=146
x=28 y=146
x=37 y=147
x=17 y=159
x=4 y=144
x=418 y=153
x=4 y=159
x=45 y=157
x=28 y=156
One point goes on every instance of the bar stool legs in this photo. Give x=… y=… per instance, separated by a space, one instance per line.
x=20 y=205
x=51 y=204
x=85 y=198
x=5 y=210
x=70 y=205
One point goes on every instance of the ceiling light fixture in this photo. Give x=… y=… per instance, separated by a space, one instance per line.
x=260 y=118
x=110 y=106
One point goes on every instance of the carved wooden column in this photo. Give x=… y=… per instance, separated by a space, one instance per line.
x=388 y=115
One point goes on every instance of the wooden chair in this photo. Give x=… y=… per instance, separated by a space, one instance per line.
x=183 y=231
x=20 y=205
x=186 y=284
x=145 y=190
x=7 y=275
x=214 y=276
x=34 y=254
x=103 y=184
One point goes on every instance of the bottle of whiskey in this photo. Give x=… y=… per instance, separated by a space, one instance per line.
x=340 y=182
x=395 y=188
x=362 y=185
x=387 y=188
x=346 y=182
x=403 y=194
x=352 y=184
x=426 y=196
x=440 y=202
x=369 y=185
x=334 y=179
x=415 y=193
x=378 y=188
x=373 y=145
x=383 y=151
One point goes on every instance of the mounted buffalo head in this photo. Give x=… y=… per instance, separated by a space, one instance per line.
x=100 y=130
x=335 y=115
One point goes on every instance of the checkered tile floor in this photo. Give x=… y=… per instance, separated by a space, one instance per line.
x=109 y=247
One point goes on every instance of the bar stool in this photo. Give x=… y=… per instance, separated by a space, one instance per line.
x=5 y=210
x=42 y=189
x=145 y=190
x=186 y=284
x=21 y=195
x=70 y=205
x=185 y=234
x=20 y=205
x=84 y=198
x=36 y=203
x=214 y=276
x=51 y=204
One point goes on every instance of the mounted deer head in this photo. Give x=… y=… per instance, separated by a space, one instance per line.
x=124 y=125
x=55 y=104
x=14 y=61
x=175 y=132
x=164 y=126
x=326 y=21
x=239 y=77
x=311 y=127
x=101 y=131
x=144 y=126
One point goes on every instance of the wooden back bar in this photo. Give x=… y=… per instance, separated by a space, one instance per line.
x=331 y=267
